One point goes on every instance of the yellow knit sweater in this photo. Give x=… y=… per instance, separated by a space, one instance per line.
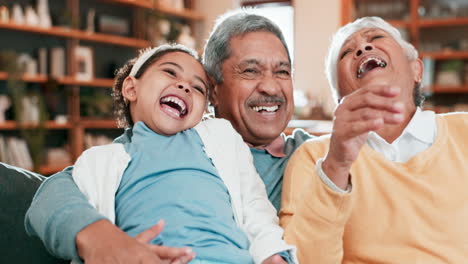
x=412 y=212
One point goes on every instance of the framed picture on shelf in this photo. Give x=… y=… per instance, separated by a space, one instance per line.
x=84 y=63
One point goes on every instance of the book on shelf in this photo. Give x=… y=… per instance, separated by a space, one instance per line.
x=14 y=151
x=428 y=74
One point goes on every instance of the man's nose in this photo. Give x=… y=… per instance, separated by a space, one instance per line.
x=364 y=48
x=184 y=86
x=269 y=85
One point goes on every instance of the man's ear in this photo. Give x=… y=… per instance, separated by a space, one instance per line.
x=418 y=68
x=129 y=89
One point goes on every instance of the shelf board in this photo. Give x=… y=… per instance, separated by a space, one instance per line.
x=78 y=34
x=99 y=123
x=438 y=89
x=137 y=3
x=444 y=22
x=98 y=82
x=26 y=78
x=51 y=169
x=445 y=54
x=183 y=13
x=12 y=125
x=399 y=23
x=106 y=83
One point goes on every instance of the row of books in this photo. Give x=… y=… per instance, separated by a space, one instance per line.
x=14 y=151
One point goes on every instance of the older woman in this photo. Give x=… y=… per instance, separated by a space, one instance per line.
x=399 y=175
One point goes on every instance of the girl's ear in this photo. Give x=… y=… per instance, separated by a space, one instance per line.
x=129 y=89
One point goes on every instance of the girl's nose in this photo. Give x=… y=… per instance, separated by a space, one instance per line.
x=180 y=86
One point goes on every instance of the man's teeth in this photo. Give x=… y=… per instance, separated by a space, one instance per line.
x=177 y=101
x=265 y=108
x=380 y=62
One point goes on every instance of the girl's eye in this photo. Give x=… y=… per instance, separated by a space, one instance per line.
x=283 y=73
x=198 y=88
x=170 y=71
x=344 y=54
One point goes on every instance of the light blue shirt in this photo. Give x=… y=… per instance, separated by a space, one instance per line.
x=172 y=178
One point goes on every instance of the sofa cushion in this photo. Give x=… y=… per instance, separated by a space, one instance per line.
x=17 y=188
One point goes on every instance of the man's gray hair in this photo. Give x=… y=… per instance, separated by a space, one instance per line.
x=229 y=25
x=331 y=62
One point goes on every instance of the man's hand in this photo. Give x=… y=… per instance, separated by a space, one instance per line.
x=367 y=109
x=275 y=259
x=103 y=242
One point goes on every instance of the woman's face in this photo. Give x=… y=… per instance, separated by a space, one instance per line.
x=170 y=96
x=372 y=56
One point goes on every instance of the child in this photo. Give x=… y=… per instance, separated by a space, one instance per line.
x=198 y=176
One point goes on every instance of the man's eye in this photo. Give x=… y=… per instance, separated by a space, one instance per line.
x=170 y=71
x=344 y=54
x=284 y=72
x=250 y=70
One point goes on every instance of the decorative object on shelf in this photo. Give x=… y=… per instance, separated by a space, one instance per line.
x=84 y=63
x=17 y=14
x=178 y=4
x=98 y=104
x=90 y=20
x=185 y=38
x=5 y=104
x=42 y=58
x=58 y=157
x=27 y=64
x=113 y=25
x=4 y=14
x=30 y=16
x=43 y=12
x=91 y=140
x=449 y=73
x=57 y=62
x=428 y=74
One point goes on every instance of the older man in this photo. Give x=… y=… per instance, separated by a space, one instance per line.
x=249 y=60
x=409 y=168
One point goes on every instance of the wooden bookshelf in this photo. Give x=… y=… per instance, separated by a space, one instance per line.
x=73 y=37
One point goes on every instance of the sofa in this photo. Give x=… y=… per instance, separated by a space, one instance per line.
x=17 y=188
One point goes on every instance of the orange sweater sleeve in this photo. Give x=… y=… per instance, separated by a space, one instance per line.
x=312 y=215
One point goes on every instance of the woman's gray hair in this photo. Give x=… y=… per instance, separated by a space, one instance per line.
x=345 y=32
x=229 y=25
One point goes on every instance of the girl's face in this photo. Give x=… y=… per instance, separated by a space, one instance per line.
x=170 y=96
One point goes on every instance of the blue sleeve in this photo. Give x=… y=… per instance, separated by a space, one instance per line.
x=58 y=212
x=286 y=256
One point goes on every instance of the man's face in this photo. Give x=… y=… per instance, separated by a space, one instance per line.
x=372 y=56
x=256 y=94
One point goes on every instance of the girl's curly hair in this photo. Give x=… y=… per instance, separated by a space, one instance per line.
x=121 y=107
